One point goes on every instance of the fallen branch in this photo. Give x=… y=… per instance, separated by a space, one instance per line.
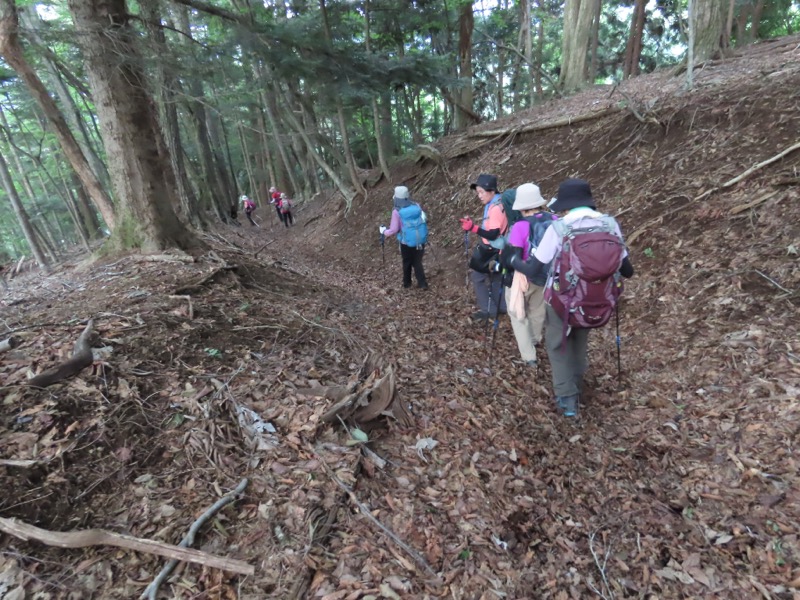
x=9 y=343
x=101 y=537
x=152 y=589
x=753 y=203
x=262 y=247
x=418 y=558
x=9 y=462
x=727 y=184
x=549 y=125
x=165 y=258
x=81 y=358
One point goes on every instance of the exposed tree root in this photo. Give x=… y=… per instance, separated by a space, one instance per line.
x=81 y=358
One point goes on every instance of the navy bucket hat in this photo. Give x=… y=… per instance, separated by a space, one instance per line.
x=573 y=193
x=487 y=182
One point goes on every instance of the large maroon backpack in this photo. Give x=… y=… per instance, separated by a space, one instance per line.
x=586 y=283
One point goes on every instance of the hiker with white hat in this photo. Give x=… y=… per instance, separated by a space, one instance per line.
x=409 y=223
x=525 y=296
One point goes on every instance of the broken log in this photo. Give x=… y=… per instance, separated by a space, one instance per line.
x=81 y=358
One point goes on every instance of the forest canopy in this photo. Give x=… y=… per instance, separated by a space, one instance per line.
x=107 y=109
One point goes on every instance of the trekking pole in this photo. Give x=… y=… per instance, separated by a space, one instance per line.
x=383 y=258
x=496 y=318
x=489 y=307
x=466 y=253
x=619 y=343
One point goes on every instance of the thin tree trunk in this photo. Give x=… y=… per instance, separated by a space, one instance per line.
x=277 y=132
x=22 y=216
x=464 y=114
x=33 y=23
x=633 y=51
x=575 y=44
x=537 y=68
x=11 y=50
x=598 y=12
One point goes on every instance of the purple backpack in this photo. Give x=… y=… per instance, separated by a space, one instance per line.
x=586 y=283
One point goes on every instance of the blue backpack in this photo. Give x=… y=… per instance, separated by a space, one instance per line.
x=414 y=230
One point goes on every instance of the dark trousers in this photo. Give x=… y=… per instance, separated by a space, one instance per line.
x=412 y=258
x=487 y=292
x=249 y=214
x=280 y=215
x=288 y=219
x=569 y=356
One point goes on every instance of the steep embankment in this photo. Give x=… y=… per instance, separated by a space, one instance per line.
x=680 y=482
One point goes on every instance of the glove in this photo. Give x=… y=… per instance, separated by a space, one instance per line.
x=468 y=225
x=382 y=229
x=507 y=259
x=495 y=266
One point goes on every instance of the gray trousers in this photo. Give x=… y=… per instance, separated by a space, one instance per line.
x=480 y=281
x=568 y=357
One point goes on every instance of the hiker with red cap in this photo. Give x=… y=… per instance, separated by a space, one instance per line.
x=589 y=258
x=275 y=198
x=409 y=223
x=493 y=227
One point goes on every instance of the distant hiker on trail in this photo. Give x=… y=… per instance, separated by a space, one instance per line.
x=286 y=205
x=249 y=207
x=275 y=198
x=525 y=296
x=493 y=227
x=410 y=224
x=589 y=258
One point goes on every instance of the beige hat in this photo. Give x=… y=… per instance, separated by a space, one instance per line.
x=528 y=197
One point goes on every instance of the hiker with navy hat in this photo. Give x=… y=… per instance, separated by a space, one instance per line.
x=588 y=258
x=409 y=223
x=491 y=231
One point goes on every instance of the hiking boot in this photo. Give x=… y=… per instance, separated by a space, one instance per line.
x=568 y=405
x=424 y=287
x=480 y=315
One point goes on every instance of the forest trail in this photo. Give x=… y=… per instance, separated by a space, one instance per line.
x=681 y=482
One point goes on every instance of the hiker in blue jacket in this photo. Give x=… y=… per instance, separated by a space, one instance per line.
x=566 y=343
x=409 y=223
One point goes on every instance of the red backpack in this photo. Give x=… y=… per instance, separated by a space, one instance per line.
x=586 y=283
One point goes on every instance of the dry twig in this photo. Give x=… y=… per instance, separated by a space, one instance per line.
x=152 y=589
x=418 y=558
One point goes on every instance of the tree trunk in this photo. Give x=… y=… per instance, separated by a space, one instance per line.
x=755 y=22
x=575 y=44
x=539 y=54
x=728 y=32
x=464 y=113
x=140 y=172
x=168 y=115
x=708 y=21
x=633 y=51
x=11 y=50
x=598 y=11
x=22 y=216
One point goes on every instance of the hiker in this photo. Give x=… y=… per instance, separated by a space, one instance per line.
x=286 y=209
x=275 y=198
x=409 y=223
x=525 y=295
x=582 y=287
x=249 y=207
x=494 y=225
